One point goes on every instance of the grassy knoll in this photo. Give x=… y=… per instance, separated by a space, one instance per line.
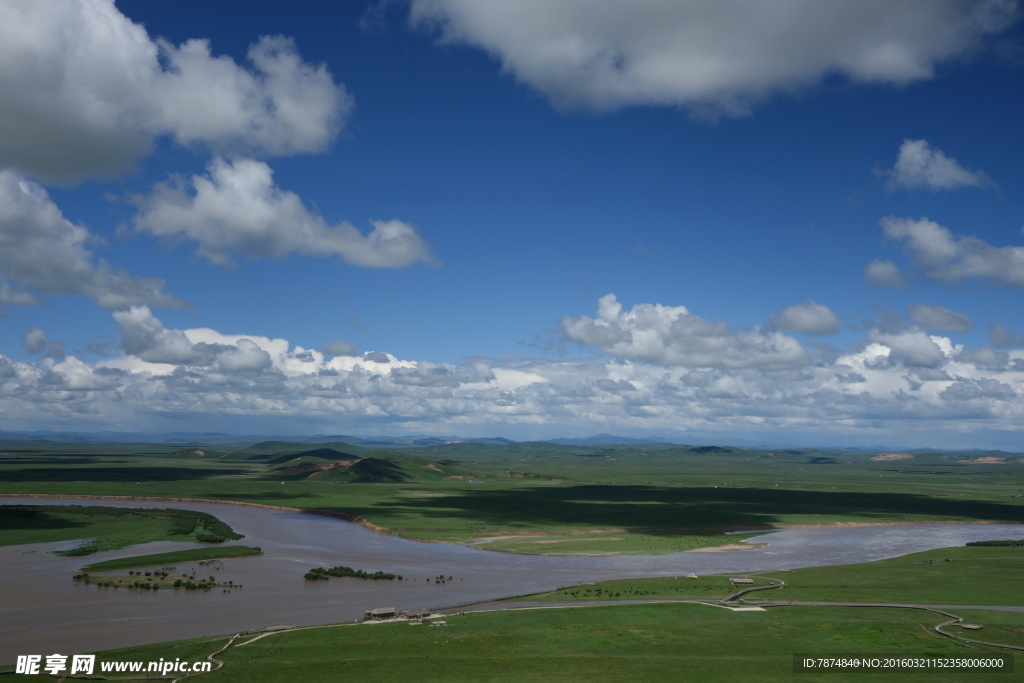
x=660 y=494
x=628 y=642
x=107 y=528
x=162 y=559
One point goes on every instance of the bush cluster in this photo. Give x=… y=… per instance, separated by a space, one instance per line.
x=321 y=574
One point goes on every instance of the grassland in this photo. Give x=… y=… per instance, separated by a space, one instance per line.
x=540 y=498
x=607 y=643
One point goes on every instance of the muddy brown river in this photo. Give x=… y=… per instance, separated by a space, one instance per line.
x=42 y=611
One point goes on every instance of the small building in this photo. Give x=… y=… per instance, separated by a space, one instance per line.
x=742 y=582
x=380 y=614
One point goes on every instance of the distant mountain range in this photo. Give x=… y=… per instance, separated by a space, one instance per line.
x=407 y=441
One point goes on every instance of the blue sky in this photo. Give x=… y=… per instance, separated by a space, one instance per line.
x=706 y=220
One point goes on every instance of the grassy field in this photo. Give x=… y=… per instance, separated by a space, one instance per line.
x=1000 y=627
x=618 y=643
x=951 y=576
x=106 y=528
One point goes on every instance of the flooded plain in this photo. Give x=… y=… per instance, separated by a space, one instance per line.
x=42 y=611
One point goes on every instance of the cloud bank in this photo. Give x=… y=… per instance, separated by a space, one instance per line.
x=905 y=381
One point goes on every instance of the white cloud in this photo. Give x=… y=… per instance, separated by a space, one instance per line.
x=940 y=255
x=809 y=317
x=237 y=207
x=939 y=318
x=86 y=91
x=43 y=251
x=671 y=335
x=281 y=106
x=883 y=273
x=716 y=56
x=920 y=166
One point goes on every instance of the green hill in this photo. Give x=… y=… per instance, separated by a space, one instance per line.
x=376 y=469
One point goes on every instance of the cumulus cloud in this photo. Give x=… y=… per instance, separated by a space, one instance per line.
x=920 y=166
x=940 y=255
x=237 y=208
x=41 y=250
x=809 y=317
x=671 y=335
x=715 y=56
x=86 y=92
x=939 y=318
x=280 y=106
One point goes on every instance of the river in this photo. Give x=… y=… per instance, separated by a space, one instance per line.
x=42 y=611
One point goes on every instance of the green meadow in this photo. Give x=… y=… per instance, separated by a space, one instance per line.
x=545 y=498
x=607 y=643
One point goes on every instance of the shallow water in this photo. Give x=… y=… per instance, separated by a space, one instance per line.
x=42 y=611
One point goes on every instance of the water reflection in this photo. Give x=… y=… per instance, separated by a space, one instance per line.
x=42 y=611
